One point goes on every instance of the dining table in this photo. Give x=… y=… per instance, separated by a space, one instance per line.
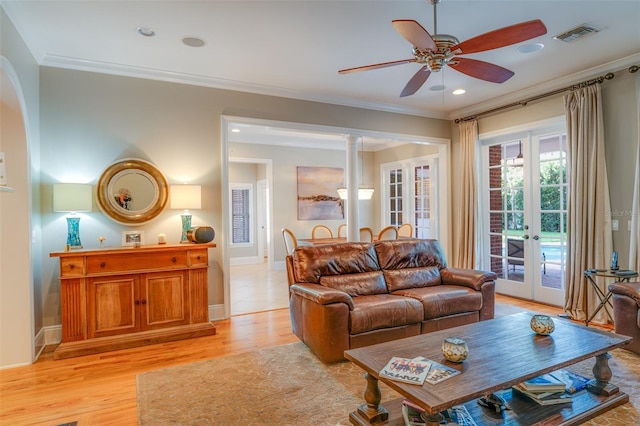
x=319 y=241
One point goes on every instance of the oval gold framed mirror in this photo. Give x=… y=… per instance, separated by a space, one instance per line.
x=132 y=191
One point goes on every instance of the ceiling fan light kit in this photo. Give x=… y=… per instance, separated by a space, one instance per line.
x=439 y=50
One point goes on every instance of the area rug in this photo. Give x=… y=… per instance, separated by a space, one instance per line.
x=288 y=385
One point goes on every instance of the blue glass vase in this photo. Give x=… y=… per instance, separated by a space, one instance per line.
x=73 y=232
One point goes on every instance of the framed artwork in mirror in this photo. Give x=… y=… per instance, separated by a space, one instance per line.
x=132 y=191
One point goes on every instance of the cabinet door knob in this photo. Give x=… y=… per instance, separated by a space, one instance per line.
x=198 y=257
x=144 y=302
x=137 y=302
x=103 y=264
x=174 y=260
x=72 y=266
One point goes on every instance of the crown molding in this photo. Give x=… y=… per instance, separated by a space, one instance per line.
x=614 y=66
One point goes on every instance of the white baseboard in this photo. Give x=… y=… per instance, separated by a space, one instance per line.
x=216 y=312
x=52 y=334
x=39 y=343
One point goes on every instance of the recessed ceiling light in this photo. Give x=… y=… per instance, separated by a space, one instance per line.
x=437 y=88
x=193 y=41
x=459 y=91
x=146 y=32
x=530 y=48
x=235 y=130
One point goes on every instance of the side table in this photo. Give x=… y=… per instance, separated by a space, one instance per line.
x=605 y=297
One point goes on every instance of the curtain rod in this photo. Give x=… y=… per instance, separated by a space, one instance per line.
x=608 y=76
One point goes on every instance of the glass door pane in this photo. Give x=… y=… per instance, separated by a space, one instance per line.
x=552 y=224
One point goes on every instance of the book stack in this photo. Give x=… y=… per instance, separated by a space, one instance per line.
x=552 y=388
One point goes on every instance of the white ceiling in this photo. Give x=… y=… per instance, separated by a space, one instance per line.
x=295 y=48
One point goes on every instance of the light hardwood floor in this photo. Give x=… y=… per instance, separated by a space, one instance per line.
x=101 y=389
x=256 y=288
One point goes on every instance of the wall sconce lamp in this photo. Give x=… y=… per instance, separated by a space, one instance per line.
x=72 y=198
x=185 y=197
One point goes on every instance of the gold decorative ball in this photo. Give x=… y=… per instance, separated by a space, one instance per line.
x=542 y=324
x=455 y=349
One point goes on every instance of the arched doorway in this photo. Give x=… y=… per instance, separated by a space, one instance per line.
x=17 y=334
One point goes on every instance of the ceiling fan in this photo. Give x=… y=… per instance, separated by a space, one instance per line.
x=443 y=49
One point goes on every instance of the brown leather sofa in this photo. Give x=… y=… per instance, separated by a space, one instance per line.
x=626 y=311
x=350 y=295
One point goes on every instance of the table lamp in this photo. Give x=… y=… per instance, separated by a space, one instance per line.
x=72 y=198
x=185 y=197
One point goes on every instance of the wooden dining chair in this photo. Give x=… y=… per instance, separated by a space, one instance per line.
x=366 y=235
x=290 y=242
x=388 y=233
x=405 y=230
x=321 y=231
x=342 y=231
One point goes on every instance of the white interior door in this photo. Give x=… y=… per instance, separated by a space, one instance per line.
x=524 y=191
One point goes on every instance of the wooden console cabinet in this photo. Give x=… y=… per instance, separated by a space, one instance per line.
x=122 y=297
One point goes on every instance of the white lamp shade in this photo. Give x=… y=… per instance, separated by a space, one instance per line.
x=72 y=197
x=185 y=197
x=363 y=193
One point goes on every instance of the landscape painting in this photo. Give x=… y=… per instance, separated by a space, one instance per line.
x=318 y=193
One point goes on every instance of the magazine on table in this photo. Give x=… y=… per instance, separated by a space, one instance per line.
x=438 y=372
x=407 y=370
x=458 y=414
x=573 y=382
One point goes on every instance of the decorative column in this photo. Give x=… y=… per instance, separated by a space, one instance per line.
x=353 y=222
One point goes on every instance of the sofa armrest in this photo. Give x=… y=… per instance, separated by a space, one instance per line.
x=466 y=277
x=628 y=289
x=321 y=295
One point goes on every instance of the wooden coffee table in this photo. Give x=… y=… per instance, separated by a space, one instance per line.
x=502 y=352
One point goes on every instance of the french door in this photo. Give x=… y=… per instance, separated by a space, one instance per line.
x=524 y=195
x=410 y=194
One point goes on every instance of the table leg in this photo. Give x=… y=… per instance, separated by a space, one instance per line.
x=371 y=412
x=603 y=297
x=602 y=374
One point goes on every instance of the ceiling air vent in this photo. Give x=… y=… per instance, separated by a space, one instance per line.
x=576 y=33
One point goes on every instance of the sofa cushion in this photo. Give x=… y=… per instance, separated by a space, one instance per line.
x=383 y=311
x=410 y=263
x=310 y=263
x=443 y=300
x=400 y=279
x=362 y=284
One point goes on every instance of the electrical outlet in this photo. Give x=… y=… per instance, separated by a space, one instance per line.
x=614 y=225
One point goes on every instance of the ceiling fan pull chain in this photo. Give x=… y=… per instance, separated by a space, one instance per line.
x=435 y=15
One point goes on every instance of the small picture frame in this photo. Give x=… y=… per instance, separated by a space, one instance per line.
x=133 y=238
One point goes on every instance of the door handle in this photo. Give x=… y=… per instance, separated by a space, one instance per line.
x=535 y=237
x=525 y=236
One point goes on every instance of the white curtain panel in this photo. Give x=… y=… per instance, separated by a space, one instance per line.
x=464 y=241
x=589 y=212
x=634 y=245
